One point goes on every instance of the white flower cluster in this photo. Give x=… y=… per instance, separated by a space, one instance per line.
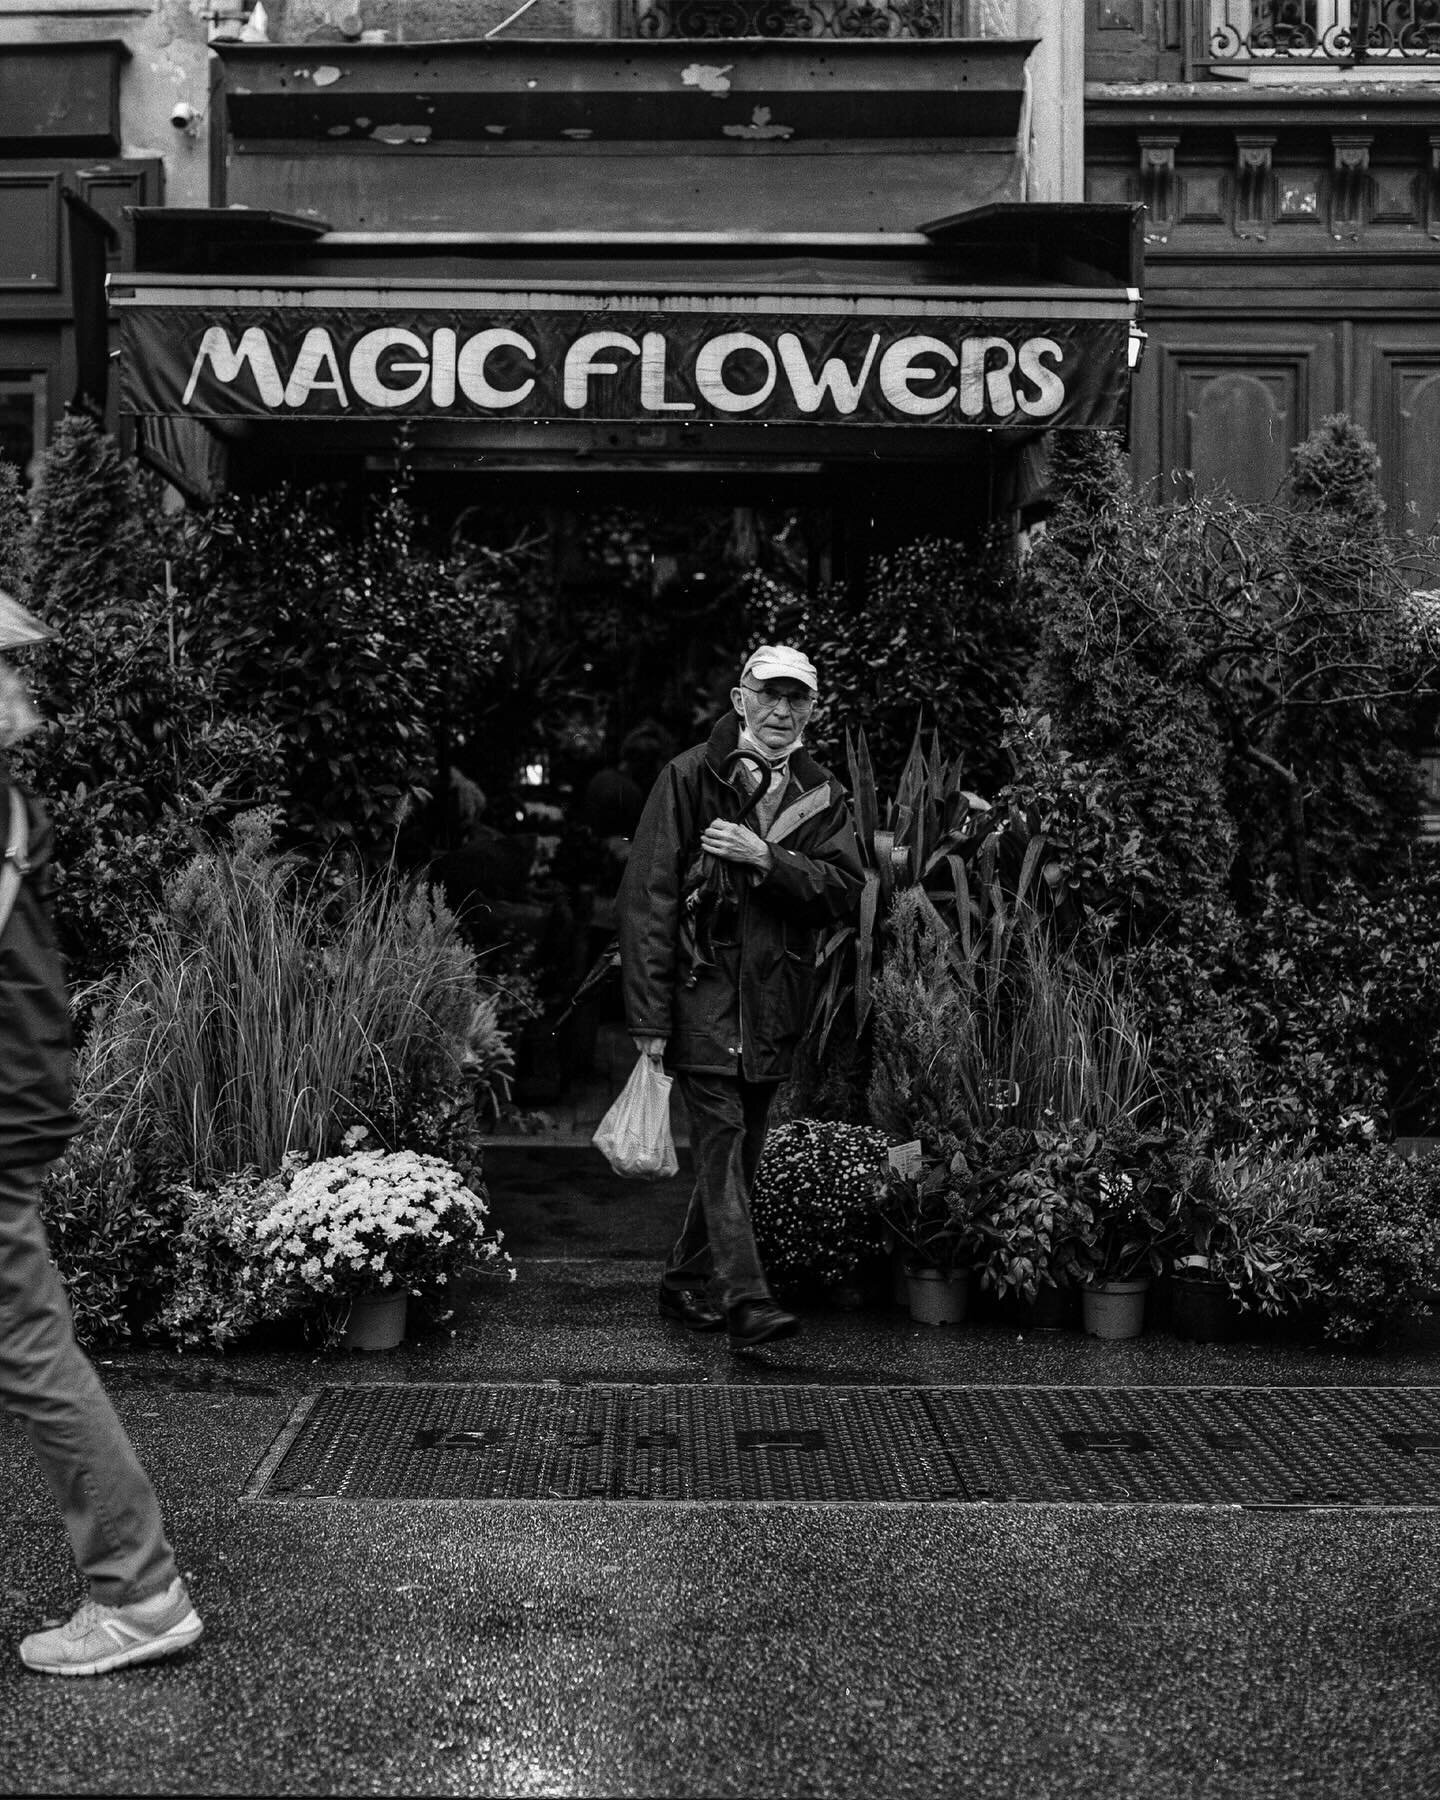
x=371 y=1218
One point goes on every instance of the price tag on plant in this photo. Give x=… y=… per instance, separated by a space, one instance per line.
x=905 y=1159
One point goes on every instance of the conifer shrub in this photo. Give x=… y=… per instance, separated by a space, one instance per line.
x=938 y=634
x=1118 y=672
x=1243 y=676
x=1243 y=681
x=361 y=650
x=137 y=753
x=14 y=531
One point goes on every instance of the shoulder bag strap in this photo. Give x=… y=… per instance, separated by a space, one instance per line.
x=16 y=856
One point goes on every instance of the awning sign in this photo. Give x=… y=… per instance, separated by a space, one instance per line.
x=927 y=366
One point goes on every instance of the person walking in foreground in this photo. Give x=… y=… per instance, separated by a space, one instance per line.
x=744 y=852
x=138 y=1607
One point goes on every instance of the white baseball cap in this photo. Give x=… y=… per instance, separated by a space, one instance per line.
x=780 y=662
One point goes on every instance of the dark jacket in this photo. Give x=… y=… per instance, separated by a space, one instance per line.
x=745 y=1014
x=37 y=1116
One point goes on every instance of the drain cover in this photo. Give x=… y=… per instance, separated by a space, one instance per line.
x=1184 y=1446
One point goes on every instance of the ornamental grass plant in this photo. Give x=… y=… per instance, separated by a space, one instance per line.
x=265 y=1012
x=1004 y=1029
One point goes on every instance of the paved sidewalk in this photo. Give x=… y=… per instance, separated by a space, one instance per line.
x=789 y=1650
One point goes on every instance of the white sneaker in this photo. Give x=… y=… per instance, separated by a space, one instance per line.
x=100 y=1638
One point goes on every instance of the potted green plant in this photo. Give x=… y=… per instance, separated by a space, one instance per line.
x=1138 y=1179
x=1029 y=1212
x=1254 y=1223
x=921 y=1214
x=1203 y=1309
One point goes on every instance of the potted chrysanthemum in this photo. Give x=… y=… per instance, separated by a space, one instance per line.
x=813 y=1205
x=365 y=1231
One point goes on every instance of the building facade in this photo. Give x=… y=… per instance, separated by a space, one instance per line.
x=1287 y=153
x=572 y=119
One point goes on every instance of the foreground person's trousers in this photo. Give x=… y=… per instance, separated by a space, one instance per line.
x=48 y=1386
x=716 y=1245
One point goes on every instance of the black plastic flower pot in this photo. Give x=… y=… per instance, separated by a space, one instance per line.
x=1052 y=1309
x=1202 y=1310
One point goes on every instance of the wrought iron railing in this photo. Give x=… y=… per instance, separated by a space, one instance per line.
x=793 y=18
x=1339 y=32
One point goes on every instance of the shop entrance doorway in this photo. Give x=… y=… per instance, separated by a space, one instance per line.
x=636 y=600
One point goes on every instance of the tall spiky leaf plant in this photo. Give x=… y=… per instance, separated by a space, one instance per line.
x=264 y=1013
x=997 y=1027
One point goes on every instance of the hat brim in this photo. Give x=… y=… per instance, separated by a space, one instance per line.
x=766 y=670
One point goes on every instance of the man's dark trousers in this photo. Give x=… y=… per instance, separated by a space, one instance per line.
x=716 y=1246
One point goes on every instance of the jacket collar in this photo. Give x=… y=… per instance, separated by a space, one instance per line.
x=805 y=772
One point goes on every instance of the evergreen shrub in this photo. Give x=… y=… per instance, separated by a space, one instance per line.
x=362 y=651
x=218 y=1293
x=138 y=753
x=112 y=1225
x=938 y=634
x=1379 y=1252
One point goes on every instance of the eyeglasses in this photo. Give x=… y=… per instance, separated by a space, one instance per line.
x=768 y=700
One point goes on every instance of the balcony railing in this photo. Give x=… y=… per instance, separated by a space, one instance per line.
x=1343 y=33
x=793 y=18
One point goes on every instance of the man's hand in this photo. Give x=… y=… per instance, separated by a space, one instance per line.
x=653 y=1047
x=736 y=843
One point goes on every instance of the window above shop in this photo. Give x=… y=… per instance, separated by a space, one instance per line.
x=61 y=97
x=794 y=18
x=1342 y=34
x=1291 y=41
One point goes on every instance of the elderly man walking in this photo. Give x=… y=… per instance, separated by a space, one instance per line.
x=744 y=853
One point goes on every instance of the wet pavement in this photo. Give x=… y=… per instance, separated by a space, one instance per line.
x=591 y=1648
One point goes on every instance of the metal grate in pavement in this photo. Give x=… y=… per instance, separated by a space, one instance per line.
x=1178 y=1446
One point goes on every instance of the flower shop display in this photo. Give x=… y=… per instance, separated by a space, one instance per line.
x=371 y=1223
x=813 y=1203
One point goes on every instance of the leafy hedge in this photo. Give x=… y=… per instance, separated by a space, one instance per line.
x=274 y=651
x=939 y=634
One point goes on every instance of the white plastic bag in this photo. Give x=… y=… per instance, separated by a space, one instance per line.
x=634 y=1136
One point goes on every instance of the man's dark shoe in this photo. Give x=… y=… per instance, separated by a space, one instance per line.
x=687 y=1307
x=758 y=1322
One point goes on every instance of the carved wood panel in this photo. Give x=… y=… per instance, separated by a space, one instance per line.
x=30 y=232
x=1398 y=403
x=1230 y=413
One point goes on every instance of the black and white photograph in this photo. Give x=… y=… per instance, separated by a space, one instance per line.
x=720 y=899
